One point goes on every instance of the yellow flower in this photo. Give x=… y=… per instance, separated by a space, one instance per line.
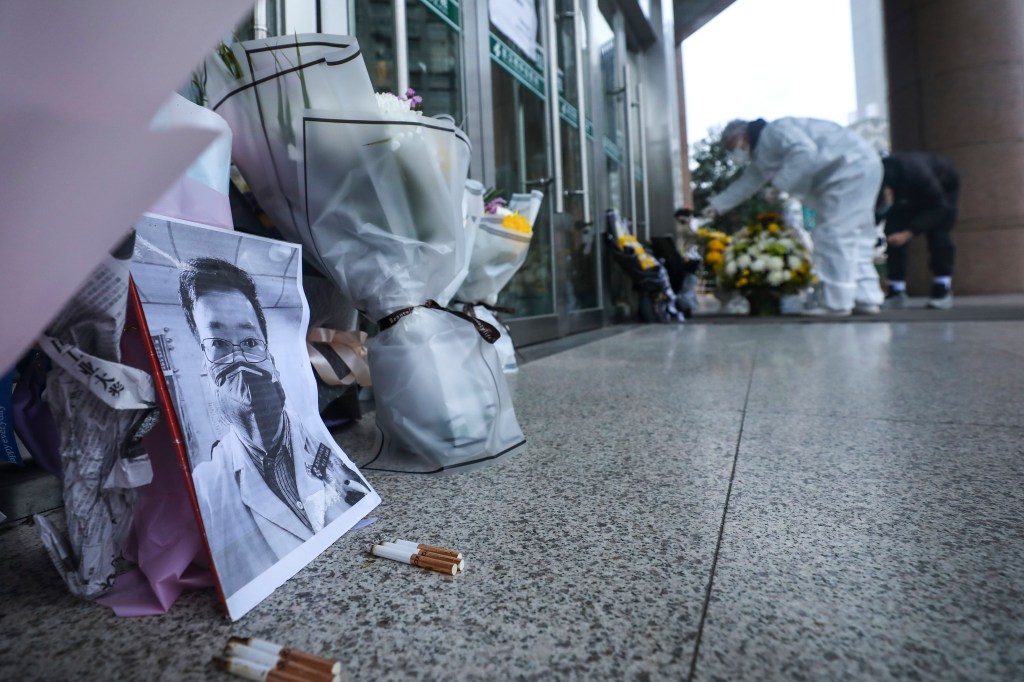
x=716 y=245
x=714 y=258
x=740 y=283
x=773 y=228
x=518 y=223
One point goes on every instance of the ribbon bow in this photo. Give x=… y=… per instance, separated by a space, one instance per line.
x=349 y=348
x=488 y=332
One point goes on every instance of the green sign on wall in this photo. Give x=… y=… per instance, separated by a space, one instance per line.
x=524 y=72
x=612 y=151
x=447 y=10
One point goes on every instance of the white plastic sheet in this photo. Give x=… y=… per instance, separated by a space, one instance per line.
x=376 y=200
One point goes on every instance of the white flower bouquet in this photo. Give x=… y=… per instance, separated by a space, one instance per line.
x=499 y=250
x=765 y=261
x=374 y=191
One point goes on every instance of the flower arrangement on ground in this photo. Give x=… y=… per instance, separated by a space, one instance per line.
x=711 y=245
x=765 y=261
x=658 y=301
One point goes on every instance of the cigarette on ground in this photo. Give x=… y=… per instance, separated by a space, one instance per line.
x=302 y=658
x=430 y=548
x=461 y=563
x=252 y=671
x=244 y=652
x=408 y=555
x=260 y=657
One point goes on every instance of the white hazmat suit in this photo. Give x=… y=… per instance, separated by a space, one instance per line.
x=837 y=173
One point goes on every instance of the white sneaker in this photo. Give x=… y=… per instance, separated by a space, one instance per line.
x=941 y=298
x=896 y=300
x=822 y=311
x=866 y=309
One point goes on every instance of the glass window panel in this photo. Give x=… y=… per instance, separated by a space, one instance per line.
x=375 y=31
x=580 y=256
x=435 y=60
x=520 y=156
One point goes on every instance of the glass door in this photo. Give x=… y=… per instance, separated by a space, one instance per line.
x=539 y=99
x=577 y=249
x=521 y=165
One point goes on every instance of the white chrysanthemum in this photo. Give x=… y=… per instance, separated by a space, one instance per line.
x=731 y=268
x=775 y=263
x=787 y=243
x=758 y=265
x=743 y=261
x=776 y=278
x=391 y=105
x=794 y=262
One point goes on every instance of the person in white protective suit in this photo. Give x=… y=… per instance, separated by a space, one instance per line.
x=832 y=170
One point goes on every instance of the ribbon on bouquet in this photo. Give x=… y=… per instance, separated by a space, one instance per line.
x=488 y=332
x=349 y=347
x=496 y=309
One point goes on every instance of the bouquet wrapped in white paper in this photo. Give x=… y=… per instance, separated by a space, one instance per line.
x=375 y=194
x=502 y=242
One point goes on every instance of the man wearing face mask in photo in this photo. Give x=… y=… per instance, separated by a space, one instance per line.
x=832 y=170
x=268 y=486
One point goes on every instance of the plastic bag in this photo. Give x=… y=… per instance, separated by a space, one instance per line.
x=376 y=200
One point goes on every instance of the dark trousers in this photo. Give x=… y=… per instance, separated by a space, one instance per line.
x=941 y=251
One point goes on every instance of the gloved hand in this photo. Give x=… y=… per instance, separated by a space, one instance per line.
x=710 y=213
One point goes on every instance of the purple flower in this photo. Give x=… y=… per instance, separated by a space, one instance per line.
x=492 y=206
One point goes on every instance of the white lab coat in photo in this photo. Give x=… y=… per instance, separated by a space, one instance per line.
x=248 y=527
x=837 y=173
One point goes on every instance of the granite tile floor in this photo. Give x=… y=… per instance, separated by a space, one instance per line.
x=698 y=502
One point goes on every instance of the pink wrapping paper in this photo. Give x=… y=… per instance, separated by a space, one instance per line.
x=164 y=542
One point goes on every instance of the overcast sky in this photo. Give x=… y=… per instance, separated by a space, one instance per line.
x=761 y=59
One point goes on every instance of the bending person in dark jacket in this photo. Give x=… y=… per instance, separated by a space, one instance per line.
x=919 y=196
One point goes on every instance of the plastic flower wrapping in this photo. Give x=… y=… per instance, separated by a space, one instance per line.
x=499 y=251
x=376 y=194
x=766 y=257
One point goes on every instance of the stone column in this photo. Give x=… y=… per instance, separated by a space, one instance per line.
x=956 y=88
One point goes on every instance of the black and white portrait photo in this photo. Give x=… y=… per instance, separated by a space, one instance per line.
x=228 y=321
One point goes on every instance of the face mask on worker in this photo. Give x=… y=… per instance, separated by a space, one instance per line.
x=739 y=156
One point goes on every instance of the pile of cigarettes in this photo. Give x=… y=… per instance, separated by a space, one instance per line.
x=262 y=661
x=425 y=556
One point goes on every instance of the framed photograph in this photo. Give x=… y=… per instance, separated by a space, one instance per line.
x=227 y=320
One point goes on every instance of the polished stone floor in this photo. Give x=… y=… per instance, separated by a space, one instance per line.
x=698 y=502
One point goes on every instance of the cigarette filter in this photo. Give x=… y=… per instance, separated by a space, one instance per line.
x=296 y=656
x=252 y=671
x=237 y=651
x=410 y=556
x=430 y=548
x=460 y=563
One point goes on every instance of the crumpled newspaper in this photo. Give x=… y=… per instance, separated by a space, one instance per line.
x=103 y=410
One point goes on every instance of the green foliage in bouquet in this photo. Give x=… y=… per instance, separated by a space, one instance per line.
x=712 y=171
x=766 y=257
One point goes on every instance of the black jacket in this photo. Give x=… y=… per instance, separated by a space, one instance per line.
x=925 y=190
